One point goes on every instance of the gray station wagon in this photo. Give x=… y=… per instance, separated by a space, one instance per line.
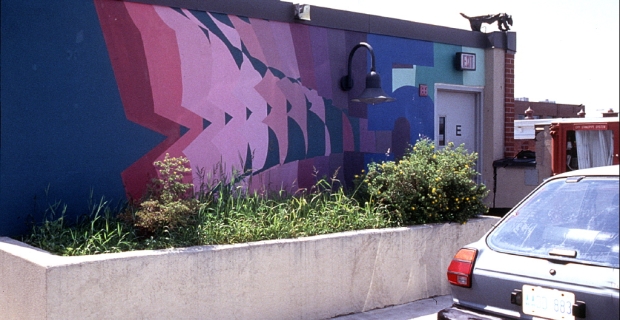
x=553 y=256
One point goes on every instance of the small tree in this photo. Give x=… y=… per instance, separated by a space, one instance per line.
x=427 y=185
x=169 y=203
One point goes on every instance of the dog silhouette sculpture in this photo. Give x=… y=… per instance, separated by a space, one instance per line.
x=504 y=21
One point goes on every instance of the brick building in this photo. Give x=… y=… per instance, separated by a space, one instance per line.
x=542 y=110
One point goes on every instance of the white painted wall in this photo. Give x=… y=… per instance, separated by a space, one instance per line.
x=309 y=278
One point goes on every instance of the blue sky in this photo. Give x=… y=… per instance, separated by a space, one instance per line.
x=567 y=50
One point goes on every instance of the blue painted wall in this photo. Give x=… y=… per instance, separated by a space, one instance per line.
x=63 y=124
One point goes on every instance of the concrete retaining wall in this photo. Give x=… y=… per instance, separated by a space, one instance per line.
x=309 y=278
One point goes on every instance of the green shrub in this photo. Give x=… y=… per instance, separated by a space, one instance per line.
x=169 y=204
x=427 y=185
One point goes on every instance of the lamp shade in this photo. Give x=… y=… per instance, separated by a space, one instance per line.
x=373 y=93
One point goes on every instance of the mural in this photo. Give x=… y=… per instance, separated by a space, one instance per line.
x=93 y=92
x=248 y=94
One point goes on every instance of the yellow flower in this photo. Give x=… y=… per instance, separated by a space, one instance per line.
x=412 y=208
x=434 y=190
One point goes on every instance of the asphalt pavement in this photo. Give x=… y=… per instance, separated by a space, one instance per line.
x=425 y=309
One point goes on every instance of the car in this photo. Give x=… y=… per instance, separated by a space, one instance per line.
x=553 y=256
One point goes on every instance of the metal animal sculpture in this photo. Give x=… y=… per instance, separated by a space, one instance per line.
x=504 y=21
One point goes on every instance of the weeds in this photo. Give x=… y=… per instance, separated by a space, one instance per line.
x=94 y=233
x=223 y=212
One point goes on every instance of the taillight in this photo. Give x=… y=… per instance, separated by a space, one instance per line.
x=461 y=267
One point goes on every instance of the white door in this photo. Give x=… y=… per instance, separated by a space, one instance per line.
x=455 y=120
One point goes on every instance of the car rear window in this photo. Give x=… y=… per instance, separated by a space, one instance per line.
x=573 y=219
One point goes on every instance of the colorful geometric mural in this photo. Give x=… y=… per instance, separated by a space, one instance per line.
x=243 y=93
x=94 y=92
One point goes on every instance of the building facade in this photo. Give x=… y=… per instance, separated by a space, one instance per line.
x=543 y=110
x=547 y=109
x=93 y=92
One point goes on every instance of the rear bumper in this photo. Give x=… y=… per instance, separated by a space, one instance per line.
x=460 y=313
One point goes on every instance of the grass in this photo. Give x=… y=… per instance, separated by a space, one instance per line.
x=228 y=219
x=426 y=186
x=97 y=232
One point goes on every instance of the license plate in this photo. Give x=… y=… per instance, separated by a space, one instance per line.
x=548 y=303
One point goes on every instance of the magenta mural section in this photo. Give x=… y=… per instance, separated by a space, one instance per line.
x=225 y=90
x=249 y=95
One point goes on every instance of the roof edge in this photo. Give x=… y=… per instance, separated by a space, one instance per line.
x=276 y=10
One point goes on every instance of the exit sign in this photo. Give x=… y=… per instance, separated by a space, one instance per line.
x=465 y=61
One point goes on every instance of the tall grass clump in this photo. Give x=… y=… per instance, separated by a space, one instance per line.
x=222 y=211
x=325 y=208
x=427 y=185
x=96 y=232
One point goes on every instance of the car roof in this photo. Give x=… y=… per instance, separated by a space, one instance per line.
x=597 y=171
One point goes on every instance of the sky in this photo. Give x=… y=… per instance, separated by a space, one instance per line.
x=567 y=50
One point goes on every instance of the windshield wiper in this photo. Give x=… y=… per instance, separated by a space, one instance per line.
x=563 y=253
x=574 y=179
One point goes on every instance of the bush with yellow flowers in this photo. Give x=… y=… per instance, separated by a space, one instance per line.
x=427 y=185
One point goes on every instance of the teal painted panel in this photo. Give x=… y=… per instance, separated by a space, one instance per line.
x=402 y=77
x=443 y=70
x=475 y=78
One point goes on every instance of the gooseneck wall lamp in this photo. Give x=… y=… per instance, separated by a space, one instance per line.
x=373 y=93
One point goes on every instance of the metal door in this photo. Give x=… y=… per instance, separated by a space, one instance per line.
x=456 y=119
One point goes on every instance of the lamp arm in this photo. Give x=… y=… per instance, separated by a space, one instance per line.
x=346 y=82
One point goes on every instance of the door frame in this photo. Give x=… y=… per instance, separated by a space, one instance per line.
x=478 y=92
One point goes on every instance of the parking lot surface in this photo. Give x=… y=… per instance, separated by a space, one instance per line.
x=425 y=309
